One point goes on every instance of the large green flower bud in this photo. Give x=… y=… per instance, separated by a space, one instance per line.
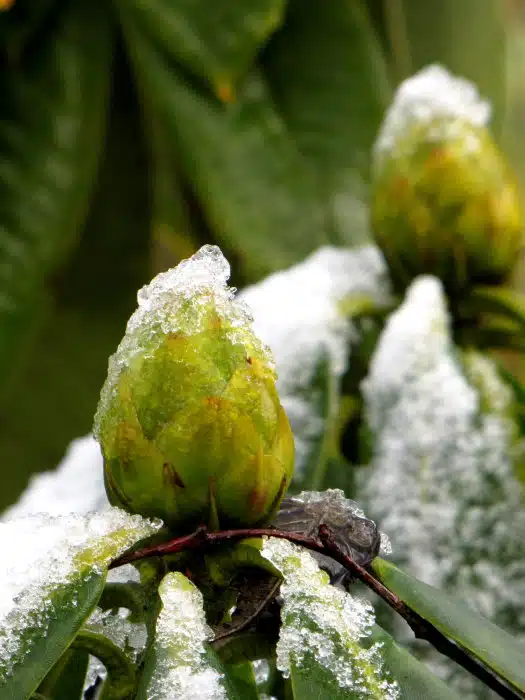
x=189 y=420
x=444 y=200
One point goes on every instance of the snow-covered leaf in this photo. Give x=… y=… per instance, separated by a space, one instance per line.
x=442 y=481
x=496 y=648
x=180 y=663
x=322 y=632
x=297 y=313
x=55 y=573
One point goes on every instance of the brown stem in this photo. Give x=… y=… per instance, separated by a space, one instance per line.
x=325 y=544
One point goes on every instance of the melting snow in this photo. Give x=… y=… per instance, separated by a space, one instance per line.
x=40 y=555
x=181 y=669
x=296 y=313
x=442 y=482
x=431 y=94
x=323 y=625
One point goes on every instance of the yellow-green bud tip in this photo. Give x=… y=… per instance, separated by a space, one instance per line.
x=189 y=420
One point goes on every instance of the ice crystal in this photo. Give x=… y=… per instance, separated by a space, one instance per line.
x=324 y=626
x=182 y=669
x=441 y=481
x=297 y=314
x=46 y=556
x=432 y=94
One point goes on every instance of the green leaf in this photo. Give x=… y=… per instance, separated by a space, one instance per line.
x=69 y=356
x=242 y=678
x=121 y=671
x=72 y=603
x=70 y=682
x=180 y=659
x=328 y=74
x=271 y=215
x=52 y=102
x=467 y=37
x=493 y=646
x=415 y=680
x=217 y=41
x=57 y=569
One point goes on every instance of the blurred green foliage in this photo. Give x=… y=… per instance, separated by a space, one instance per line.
x=132 y=132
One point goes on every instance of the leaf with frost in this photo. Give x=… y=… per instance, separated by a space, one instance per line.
x=180 y=663
x=322 y=632
x=55 y=573
x=297 y=314
x=442 y=482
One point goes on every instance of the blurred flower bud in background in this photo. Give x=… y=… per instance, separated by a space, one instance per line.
x=444 y=199
x=189 y=420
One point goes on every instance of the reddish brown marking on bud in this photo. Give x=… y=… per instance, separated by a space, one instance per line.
x=257 y=499
x=213 y=402
x=215 y=322
x=400 y=186
x=438 y=157
x=171 y=476
x=249 y=360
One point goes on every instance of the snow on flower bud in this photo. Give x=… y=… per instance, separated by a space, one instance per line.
x=444 y=202
x=189 y=420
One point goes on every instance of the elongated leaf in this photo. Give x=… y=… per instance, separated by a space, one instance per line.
x=328 y=74
x=495 y=647
x=180 y=662
x=242 y=678
x=416 y=681
x=217 y=40
x=57 y=568
x=467 y=37
x=321 y=641
x=93 y=296
x=52 y=104
x=256 y=190
x=70 y=683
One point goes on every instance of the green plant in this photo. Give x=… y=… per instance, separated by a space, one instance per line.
x=393 y=401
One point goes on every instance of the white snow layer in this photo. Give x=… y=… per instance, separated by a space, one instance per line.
x=431 y=94
x=441 y=481
x=325 y=626
x=182 y=669
x=42 y=558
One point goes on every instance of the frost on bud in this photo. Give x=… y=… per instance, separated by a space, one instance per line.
x=444 y=201
x=189 y=420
